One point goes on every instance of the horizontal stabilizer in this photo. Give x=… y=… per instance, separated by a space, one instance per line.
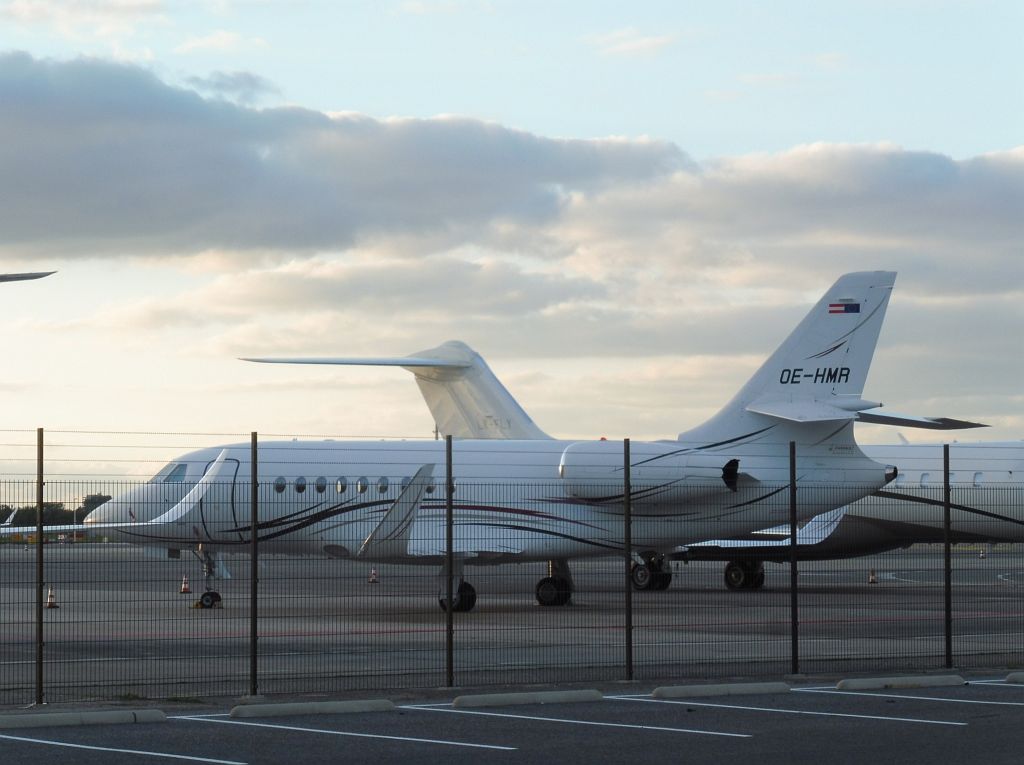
x=369 y=361
x=390 y=537
x=911 y=421
x=813 y=410
x=462 y=393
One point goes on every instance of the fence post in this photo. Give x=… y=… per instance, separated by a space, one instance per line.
x=794 y=615
x=253 y=569
x=40 y=584
x=947 y=557
x=627 y=551
x=449 y=564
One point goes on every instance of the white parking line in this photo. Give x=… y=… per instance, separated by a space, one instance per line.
x=915 y=698
x=120 y=751
x=791 y=711
x=584 y=722
x=350 y=734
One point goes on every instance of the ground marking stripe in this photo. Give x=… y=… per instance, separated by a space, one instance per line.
x=120 y=751
x=918 y=698
x=586 y=722
x=795 y=711
x=352 y=735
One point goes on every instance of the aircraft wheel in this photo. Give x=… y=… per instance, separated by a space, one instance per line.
x=662 y=579
x=209 y=599
x=641 y=576
x=758 y=581
x=465 y=598
x=553 y=591
x=735 y=576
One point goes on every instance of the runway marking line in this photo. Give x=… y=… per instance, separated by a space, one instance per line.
x=120 y=751
x=789 y=711
x=296 y=729
x=914 y=698
x=581 y=722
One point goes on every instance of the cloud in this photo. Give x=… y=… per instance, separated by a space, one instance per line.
x=629 y=42
x=614 y=268
x=84 y=18
x=244 y=87
x=135 y=166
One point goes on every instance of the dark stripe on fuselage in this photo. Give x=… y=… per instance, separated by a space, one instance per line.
x=941 y=503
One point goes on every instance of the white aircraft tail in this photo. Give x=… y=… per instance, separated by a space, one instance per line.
x=818 y=374
x=461 y=391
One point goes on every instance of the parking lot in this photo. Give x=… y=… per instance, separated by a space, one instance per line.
x=963 y=723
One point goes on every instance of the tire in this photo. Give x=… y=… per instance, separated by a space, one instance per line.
x=662 y=580
x=465 y=598
x=735 y=576
x=641 y=576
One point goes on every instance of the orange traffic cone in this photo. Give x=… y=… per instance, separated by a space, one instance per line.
x=872 y=579
x=185 y=589
x=373 y=576
x=51 y=599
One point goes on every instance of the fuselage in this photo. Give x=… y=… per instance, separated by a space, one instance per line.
x=513 y=500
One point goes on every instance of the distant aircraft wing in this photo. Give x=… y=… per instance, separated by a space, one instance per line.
x=24 y=277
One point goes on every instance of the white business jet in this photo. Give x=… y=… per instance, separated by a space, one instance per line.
x=523 y=496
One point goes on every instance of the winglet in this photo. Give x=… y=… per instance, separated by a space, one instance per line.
x=390 y=537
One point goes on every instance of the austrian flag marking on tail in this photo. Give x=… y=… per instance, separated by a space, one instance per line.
x=844 y=307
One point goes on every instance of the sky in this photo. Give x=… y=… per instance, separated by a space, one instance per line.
x=623 y=207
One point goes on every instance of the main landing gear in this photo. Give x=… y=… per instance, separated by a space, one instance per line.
x=744 y=575
x=463 y=593
x=557 y=587
x=652 y=572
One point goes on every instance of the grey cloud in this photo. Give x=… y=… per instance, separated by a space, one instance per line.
x=244 y=87
x=104 y=158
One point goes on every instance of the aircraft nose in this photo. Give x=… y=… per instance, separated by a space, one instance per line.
x=119 y=510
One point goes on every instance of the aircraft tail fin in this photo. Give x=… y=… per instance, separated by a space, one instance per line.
x=819 y=371
x=465 y=397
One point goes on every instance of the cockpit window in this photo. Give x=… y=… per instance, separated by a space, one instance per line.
x=177 y=474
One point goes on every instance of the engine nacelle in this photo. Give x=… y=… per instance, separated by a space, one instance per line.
x=659 y=473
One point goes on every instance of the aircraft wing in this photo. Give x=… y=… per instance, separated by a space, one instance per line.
x=25 y=277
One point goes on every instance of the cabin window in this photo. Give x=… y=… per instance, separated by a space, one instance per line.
x=177 y=474
x=321 y=485
x=977 y=479
x=341 y=486
x=362 y=485
x=280 y=484
x=430 y=486
x=382 y=485
x=300 y=485
x=405 y=483
x=925 y=477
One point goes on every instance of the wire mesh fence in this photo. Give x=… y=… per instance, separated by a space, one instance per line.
x=156 y=594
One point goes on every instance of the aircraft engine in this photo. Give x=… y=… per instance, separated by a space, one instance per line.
x=658 y=472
